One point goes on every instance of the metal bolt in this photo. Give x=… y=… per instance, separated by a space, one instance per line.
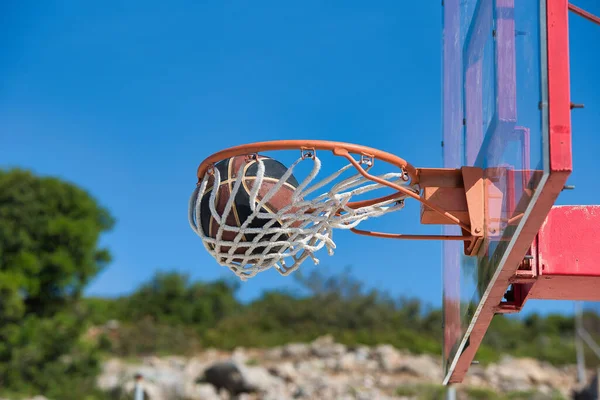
x=568 y=187
x=477 y=230
x=576 y=105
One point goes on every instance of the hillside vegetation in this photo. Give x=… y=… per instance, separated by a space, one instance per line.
x=183 y=315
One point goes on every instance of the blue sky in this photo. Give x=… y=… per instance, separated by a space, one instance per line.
x=125 y=100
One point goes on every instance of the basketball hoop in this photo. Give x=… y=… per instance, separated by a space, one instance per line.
x=298 y=230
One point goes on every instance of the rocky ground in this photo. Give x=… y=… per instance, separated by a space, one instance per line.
x=324 y=369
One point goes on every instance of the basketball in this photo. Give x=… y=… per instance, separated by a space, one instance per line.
x=241 y=207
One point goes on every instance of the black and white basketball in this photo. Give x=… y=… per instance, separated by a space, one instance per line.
x=241 y=208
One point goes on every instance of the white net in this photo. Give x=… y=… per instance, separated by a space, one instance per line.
x=298 y=230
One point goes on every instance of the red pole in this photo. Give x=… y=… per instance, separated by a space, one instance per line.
x=584 y=14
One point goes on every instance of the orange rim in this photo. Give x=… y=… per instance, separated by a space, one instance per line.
x=342 y=150
x=338 y=148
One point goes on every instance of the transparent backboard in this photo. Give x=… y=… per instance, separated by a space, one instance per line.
x=493 y=118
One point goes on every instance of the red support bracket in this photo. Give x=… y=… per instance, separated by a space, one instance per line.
x=563 y=263
x=569 y=255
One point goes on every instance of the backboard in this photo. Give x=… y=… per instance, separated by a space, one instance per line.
x=506 y=109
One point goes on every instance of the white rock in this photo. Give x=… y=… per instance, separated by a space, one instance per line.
x=176 y=362
x=362 y=353
x=276 y=353
x=325 y=347
x=111 y=375
x=296 y=350
x=330 y=363
x=423 y=366
x=203 y=391
x=224 y=395
x=387 y=356
x=324 y=369
x=239 y=356
x=194 y=368
x=285 y=371
x=347 y=362
x=311 y=367
x=505 y=376
x=260 y=378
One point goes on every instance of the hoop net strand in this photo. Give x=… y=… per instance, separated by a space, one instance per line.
x=297 y=231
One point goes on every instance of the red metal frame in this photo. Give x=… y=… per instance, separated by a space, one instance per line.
x=566 y=255
x=582 y=13
x=563 y=260
x=560 y=166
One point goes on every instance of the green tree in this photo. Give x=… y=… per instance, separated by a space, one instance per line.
x=337 y=305
x=166 y=315
x=49 y=233
x=172 y=298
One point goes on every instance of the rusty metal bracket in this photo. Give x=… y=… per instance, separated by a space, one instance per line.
x=460 y=192
x=521 y=283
